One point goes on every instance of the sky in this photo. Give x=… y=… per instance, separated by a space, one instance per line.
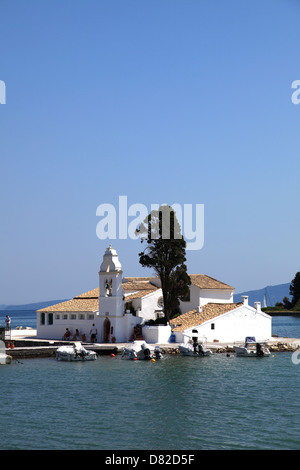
x=161 y=101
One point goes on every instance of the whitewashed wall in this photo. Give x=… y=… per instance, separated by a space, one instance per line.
x=147 y=305
x=157 y=334
x=193 y=302
x=236 y=325
x=216 y=296
x=83 y=321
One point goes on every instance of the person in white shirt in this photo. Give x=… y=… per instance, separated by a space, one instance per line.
x=93 y=333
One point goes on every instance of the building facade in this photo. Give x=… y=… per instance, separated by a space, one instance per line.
x=119 y=307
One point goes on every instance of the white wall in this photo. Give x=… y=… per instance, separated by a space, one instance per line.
x=148 y=305
x=236 y=325
x=122 y=327
x=81 y=320
x=203 y=296
x=157 y=333
x=216 y=295
x=193 y=302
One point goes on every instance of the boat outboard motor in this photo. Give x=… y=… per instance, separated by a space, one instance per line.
x=157 y=354
x=259 y=351
x=200 y=350
x=196 y=347
x=147 y=354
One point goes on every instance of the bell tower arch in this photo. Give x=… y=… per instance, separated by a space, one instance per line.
x=111 y=304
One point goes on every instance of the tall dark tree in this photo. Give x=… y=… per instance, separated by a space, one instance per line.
x=165 y=253
x=295 y=289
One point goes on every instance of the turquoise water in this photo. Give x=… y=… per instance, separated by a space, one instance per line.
x=179 y=403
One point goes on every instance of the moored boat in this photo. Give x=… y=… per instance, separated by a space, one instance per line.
x=195 y=346
x=75 y=352
x=139 y=349
x=4 y=358
x=252 y=348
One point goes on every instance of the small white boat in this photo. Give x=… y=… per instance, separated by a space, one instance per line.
x=141 y=350
x=252 y=348
x=75 y=352
x=4 y=358
x=194 y=346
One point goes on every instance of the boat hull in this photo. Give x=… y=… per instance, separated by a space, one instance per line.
x=250 y=352
x=5 y=359
x=75 y=353
x=186 y=351
x=72 y=357
x=140 y=350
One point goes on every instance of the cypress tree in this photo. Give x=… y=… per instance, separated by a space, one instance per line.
x=165 y=253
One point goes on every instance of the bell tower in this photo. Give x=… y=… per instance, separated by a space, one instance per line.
x=111 y=304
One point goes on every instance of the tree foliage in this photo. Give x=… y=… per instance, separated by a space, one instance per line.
x=165 y=253
x=295 y=289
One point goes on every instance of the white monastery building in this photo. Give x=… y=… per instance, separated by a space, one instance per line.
x=120 y=308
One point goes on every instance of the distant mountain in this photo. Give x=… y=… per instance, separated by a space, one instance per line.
x=273 y=294
x=34 y=306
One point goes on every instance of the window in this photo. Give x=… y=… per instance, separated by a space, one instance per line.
x=81 y=316
x=57 y=316
x=212 y=326
x=42 y=319
x=73 y=316
x=90 y=316
x=65 y=316
x=50 y=319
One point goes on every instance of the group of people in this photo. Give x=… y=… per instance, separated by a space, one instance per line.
x=76 y=336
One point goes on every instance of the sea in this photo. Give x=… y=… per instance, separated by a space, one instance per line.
x=175 y=404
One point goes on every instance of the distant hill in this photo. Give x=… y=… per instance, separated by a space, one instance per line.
x=34 y=306
x=273 y=294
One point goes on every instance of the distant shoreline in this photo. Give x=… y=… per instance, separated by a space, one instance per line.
x=282 y=313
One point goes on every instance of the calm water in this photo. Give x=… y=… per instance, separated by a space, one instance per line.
x=177 y=403
x=19 y=318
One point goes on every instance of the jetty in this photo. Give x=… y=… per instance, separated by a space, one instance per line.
x=22 y=346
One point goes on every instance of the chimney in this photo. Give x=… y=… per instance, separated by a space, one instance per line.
x=245 y=299
x=199 y=309
x=257 y=306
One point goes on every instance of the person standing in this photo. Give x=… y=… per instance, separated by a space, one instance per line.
x=93 y=333
x=7 y=322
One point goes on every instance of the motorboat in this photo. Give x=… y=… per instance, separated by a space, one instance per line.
x=252 y=348
x=194 y=346
x=4 y=358
x=139 y=349
x=75 y=352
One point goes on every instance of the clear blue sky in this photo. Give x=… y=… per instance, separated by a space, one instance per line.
x=164 y=101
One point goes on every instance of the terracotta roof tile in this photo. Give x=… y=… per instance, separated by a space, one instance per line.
x=138 y=295
x=74 y=305
x=194 y=318
x=139 y=286
x=139 y=283
x=206 y=282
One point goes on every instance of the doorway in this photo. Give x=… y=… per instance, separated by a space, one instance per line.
x=106 y=327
